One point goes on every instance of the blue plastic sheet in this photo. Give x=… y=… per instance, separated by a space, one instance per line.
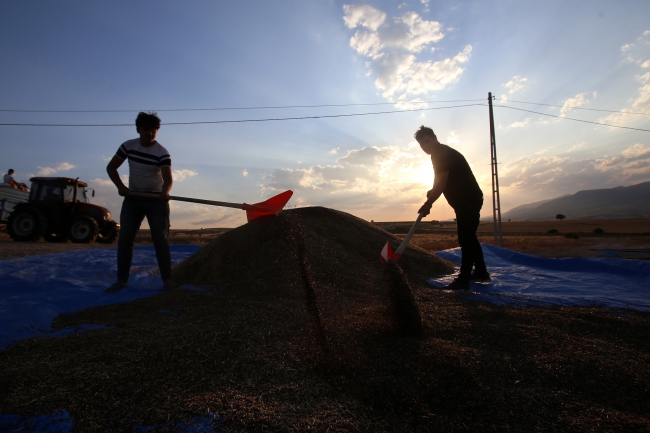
x=62 y=422
x=528 y=280
x=36 y=289
x=57 y=422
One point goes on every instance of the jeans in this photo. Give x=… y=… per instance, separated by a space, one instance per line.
x=134 y=209
x=467 y=220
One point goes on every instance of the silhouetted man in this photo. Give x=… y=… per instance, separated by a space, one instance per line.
x=454 y=179
x=150 y=171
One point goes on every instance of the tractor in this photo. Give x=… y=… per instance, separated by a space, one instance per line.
x=58 y=209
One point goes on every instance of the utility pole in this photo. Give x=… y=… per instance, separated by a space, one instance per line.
x=496 y=200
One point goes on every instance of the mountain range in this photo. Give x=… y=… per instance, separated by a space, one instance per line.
x=620 y=202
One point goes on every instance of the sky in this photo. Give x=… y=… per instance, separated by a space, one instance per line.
x=213 y=70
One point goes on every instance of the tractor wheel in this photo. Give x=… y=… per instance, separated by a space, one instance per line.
x=109 y=236
x=26 y=224
x=83 y=230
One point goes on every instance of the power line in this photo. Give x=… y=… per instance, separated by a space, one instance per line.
x=576 y=108
x=238 y=108
x=320 y=117
x=247 y=120
x=576 y=120
x=271 y=107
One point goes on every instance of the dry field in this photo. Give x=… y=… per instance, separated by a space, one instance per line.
x=574 y=238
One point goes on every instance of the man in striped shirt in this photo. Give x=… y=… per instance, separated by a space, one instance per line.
x=150 y=171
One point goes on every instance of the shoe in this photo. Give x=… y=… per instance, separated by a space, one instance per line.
x=480 y=276
x=118 y=285
x=170 y=285
x=458 y=284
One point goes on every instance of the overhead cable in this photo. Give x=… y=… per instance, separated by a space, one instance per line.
x=575 y=108
x=239 y=108
x=575 y=120
x=246 y=120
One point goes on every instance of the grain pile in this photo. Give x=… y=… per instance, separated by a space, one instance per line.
x=325 y=263
x=298 y=333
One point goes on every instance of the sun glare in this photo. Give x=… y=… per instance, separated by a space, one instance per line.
x=424 y=175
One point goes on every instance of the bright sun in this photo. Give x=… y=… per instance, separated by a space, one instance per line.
x=423 y=175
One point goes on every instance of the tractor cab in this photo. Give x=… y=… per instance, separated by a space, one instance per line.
x=60 y=190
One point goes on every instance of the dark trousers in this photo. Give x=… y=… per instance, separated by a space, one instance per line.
x=467 y=220
x=134 y=209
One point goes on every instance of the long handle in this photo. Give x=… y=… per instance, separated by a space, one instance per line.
x=191 y=200
x=243 y=206
x=408 y=237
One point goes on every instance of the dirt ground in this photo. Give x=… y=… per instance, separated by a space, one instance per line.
x=628 y=237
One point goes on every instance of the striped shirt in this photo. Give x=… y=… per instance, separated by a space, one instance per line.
x=144 y=164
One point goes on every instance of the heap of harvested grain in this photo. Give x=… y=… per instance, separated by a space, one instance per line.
x=324 y=261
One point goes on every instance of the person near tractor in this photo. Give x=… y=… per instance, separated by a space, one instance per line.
x=150 y=171
x=9 y=180
x=454 y=178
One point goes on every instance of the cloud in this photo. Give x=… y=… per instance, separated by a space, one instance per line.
x=577 y=146
x=553 y=175
x=363 y=15
x=368 y=156
x=636 y=54
x=521 y=124
x=641 y=104
x=577 y=101
x=101 y=182
x=638 y=150
x=181 y=175
x=212 y=221
x=245 y=173
x=335 y=151
x=392 y=46
x=516 y=84
x=202 y=216
x=47 y=171
x=367 y=181
x=452 y=139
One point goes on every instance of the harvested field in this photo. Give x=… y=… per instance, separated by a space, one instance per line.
x=297 y=333
x=567 y=238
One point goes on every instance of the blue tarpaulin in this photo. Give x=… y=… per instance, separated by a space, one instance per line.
x=528 y=280
x=36 y=289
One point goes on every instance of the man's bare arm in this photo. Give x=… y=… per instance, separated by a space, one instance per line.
x=111 y=169
x=168 y=181
x=439 y=185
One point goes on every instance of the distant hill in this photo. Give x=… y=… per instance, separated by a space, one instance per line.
x=619 y=202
